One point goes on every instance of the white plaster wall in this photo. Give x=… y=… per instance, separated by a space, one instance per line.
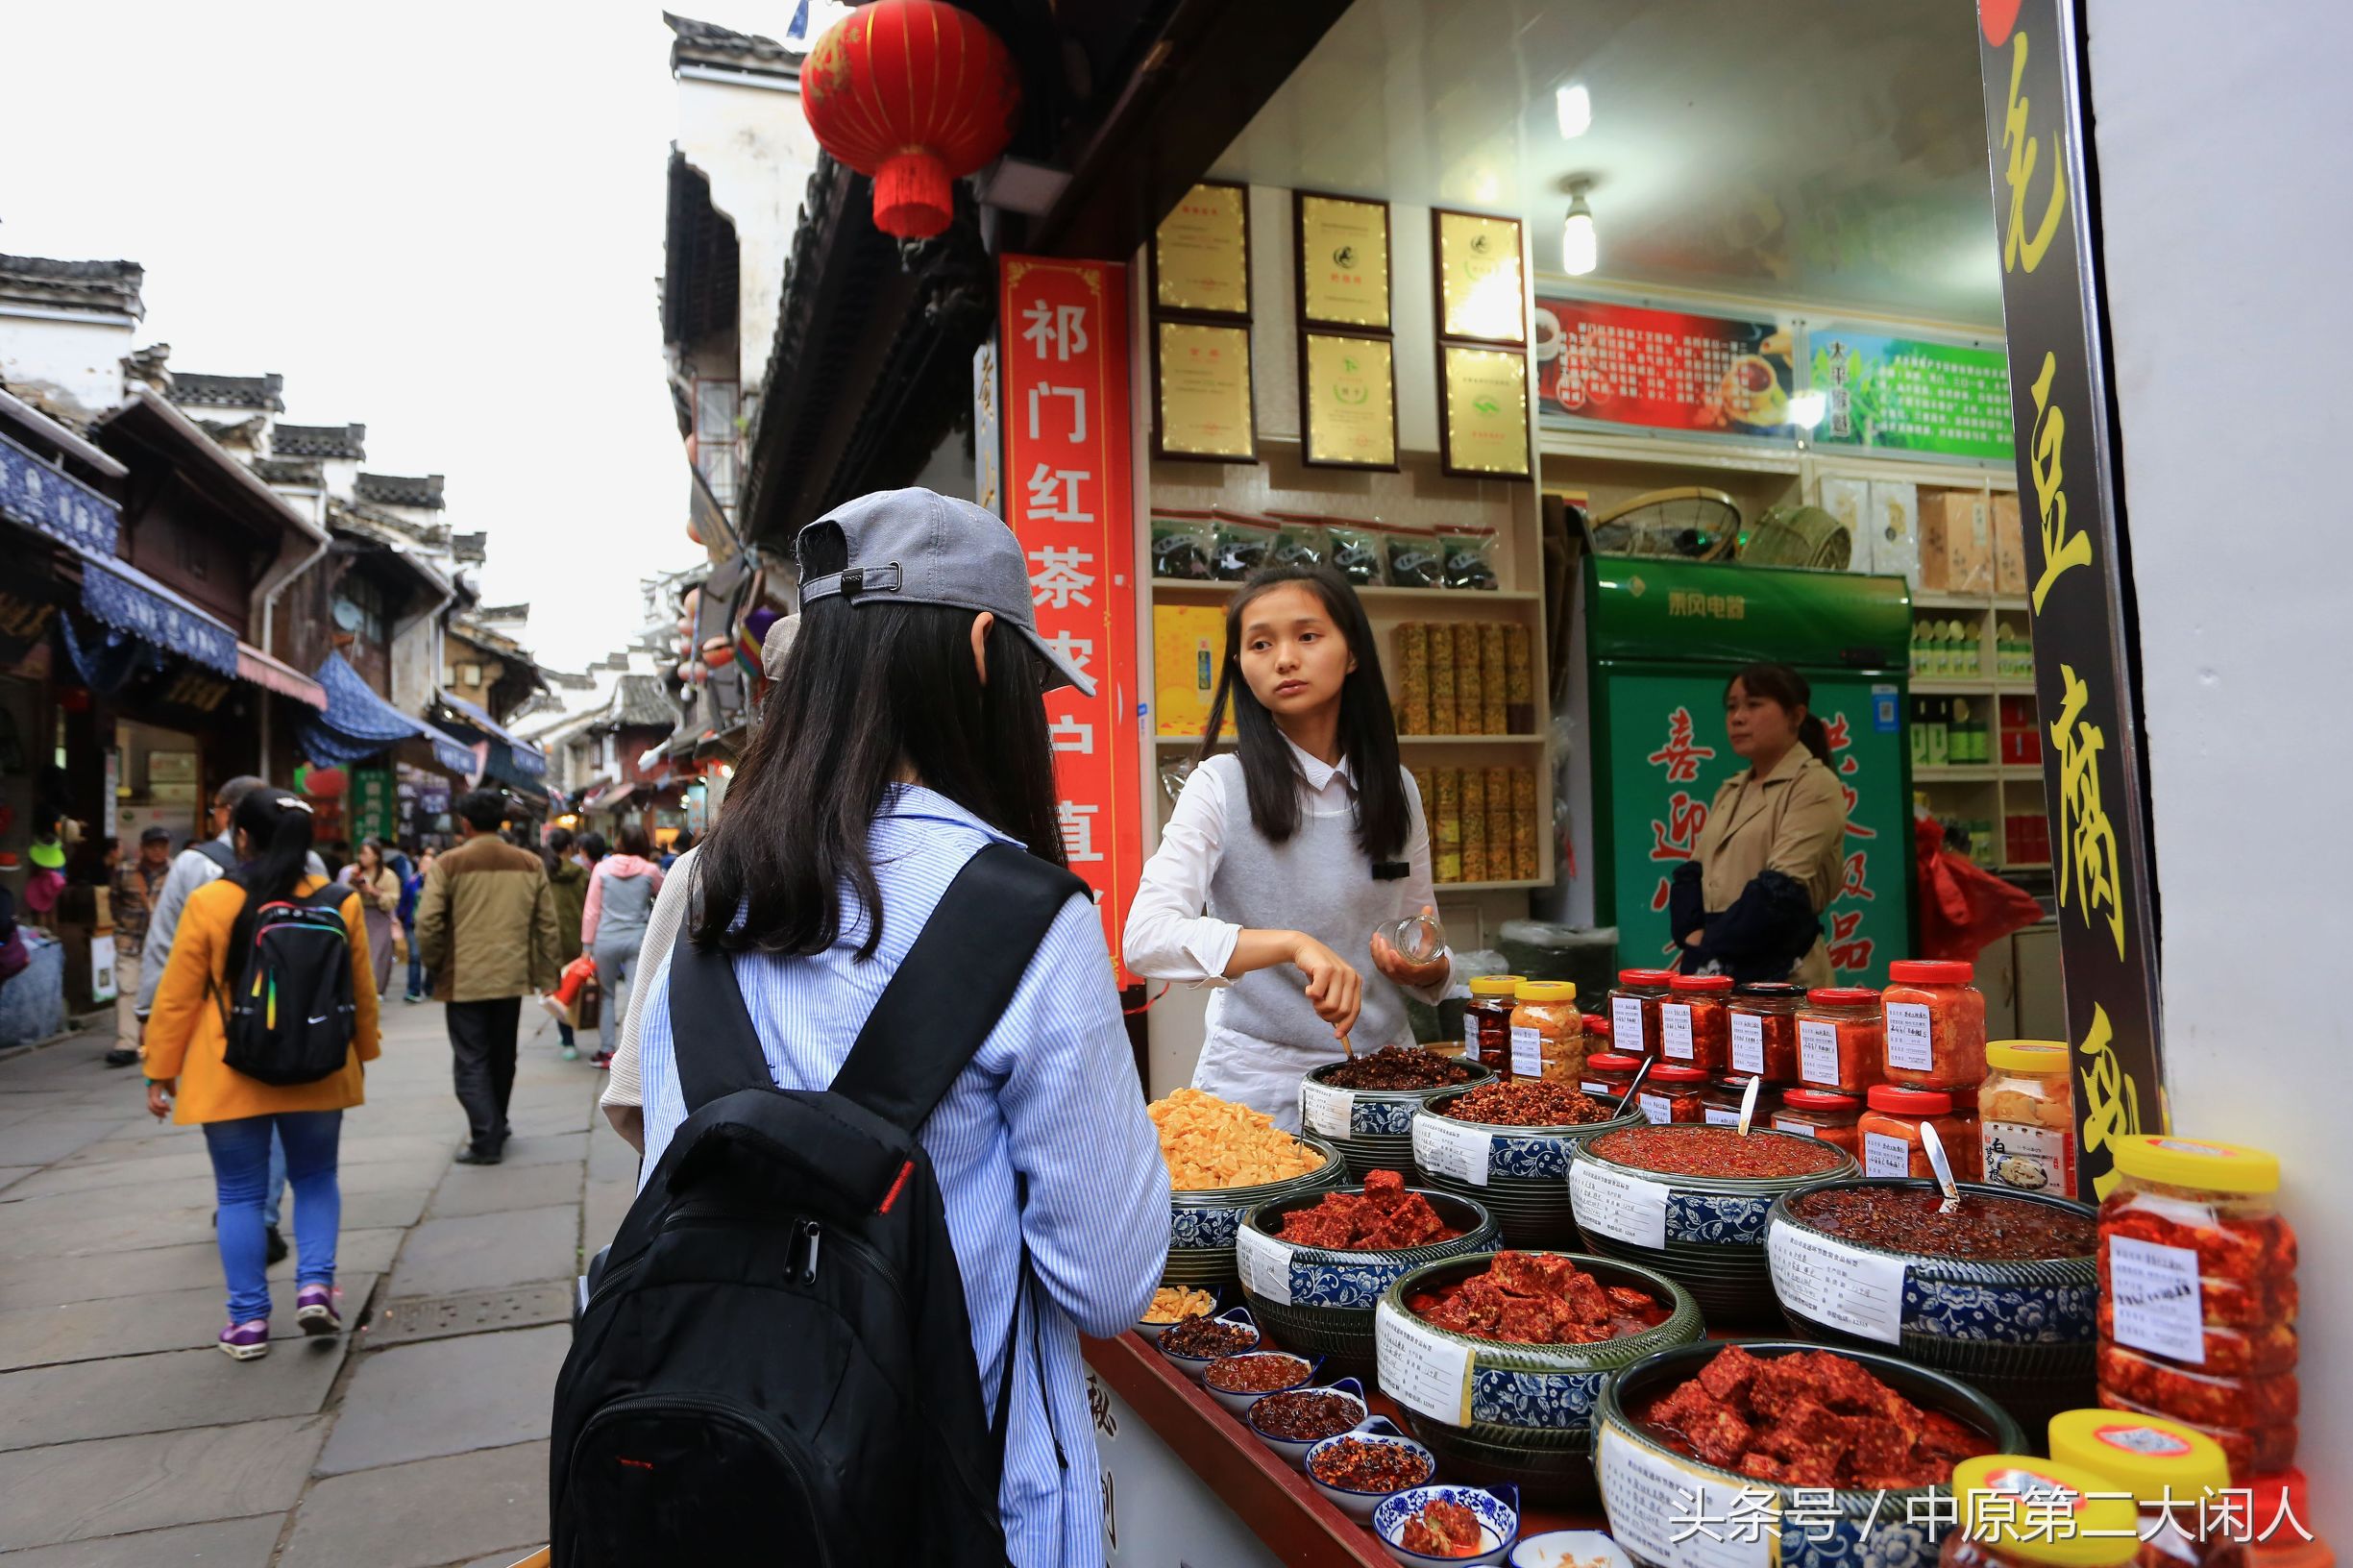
x=2221 y=143
x=756 y=147
x=79 y=358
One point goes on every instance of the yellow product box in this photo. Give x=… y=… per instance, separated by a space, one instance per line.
x=1188 y=642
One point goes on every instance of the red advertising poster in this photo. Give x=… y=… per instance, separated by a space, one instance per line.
x=1661 y=370
x=1063 y=341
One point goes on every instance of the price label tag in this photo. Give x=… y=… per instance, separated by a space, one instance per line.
x=1526 y=1052
x=1470 y=1036
x=1449 y=1148
x=1834 y=1283
x=1748 y=1043
x=1266 y=1263
x=1674 y=1031
x=1818 y=1052
x=1618 y=1204
x=1722 y=1116
x=1326 y=1109
x=1657 y=1107
x=1625 y=1025
x=1885 y=1155
x=1420 y=1368
x=2154 y=1293
x=1910 y=1041
x=1652 y=1500
x=1804 y=1129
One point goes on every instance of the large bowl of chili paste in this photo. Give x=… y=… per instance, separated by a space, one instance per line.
x=1723 y=1417
x=1514 y=1168
x=1690 y=1201
x=1202 y=1221
x=2003 y=1292
x=1314 y=1265
x=1540 y=1333
x=1363 y=1107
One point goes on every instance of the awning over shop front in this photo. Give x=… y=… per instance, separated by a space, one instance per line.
x=130 y=601
x=258 y=669
x=33 y=495
x=528 y=759
x=614 y=797
x=359 y=723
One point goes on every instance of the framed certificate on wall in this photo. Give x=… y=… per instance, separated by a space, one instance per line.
x=1481 y=290
x=1201 y=392
x=1483 y=421
x=1347 y=401
x=1343 y=246
x=1201 y=253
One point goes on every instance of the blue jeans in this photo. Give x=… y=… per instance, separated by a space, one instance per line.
x=274 y=1205
x=240 y=1151
x=416 y=966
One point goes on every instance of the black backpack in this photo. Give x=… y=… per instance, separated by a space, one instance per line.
x=775 y=1364
x=290 y=1015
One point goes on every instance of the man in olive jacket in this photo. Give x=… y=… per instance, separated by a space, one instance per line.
x=486 y=926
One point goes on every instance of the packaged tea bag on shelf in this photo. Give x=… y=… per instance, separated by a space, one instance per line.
x=1494 y=680
x=1413 y=677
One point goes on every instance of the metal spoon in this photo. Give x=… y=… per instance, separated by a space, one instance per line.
x=1943 y=1167
x=1748 y=1105
x=1640 y=1073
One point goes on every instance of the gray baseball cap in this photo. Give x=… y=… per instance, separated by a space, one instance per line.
x=918 y=546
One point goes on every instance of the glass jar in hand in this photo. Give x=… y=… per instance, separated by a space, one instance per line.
x=1695 y=1023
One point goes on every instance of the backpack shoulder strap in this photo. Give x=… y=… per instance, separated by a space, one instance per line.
x=711 y=1034
x=954 y=983
x=217 y=852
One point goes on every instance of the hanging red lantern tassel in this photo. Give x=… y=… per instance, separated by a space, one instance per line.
x=918 y=94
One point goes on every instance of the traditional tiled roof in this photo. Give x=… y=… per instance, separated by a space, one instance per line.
x=488 y=613
x=89 y=286
x=706 y=44
x=639 y=700
x=401 y=490
x=237 y=432
x=319 y=441
x=470 y=549
x=289 y=471
x=193 y=389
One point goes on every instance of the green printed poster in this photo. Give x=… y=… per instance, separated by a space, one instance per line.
x=1942 y=399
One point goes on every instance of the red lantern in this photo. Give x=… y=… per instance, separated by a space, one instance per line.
x=918 y=94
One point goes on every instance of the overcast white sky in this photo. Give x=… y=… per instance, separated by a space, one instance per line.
x=443 y=220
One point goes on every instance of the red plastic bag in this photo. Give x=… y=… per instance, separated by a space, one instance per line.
x=1963 y=907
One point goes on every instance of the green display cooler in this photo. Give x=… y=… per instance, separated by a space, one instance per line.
x=1662 y=638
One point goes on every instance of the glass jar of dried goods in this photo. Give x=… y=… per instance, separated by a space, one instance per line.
x=1764 y=1030
x=1824 y=1113
x=1634 y=1010
x=1892 y=1144
x=1608 y=1075
x=1695 y=1023
x=1486 y=1022
x=2174 y=1475
x=1674 y=1094
x=1548 y=1033
x=1935 y=1026
x=2197 y=1296
x=2026 y=1116
x=1840 y=1039
x=2016 y=1511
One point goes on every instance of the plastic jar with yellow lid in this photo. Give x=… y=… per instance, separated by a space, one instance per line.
x=2026 y=1116
x=2016 y=1511
x=1548 y=1032
x=2175 y=1475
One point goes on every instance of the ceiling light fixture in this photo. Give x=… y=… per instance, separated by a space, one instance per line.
x=1580 y=246
x=1574 y=105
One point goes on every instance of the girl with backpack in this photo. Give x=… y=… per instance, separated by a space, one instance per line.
x=1284 y=855
x=254 y=1031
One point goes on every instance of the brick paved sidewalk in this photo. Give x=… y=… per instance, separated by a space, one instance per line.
x=416 y=1440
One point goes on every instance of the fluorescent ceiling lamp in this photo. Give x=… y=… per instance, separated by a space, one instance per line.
x=1807 y=409
x=1574 y=105
x=1580 y=246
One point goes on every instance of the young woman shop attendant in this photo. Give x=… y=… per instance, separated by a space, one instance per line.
x=1283 y=855
x=1749 y=902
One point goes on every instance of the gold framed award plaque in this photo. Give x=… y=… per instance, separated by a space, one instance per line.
x=1483 y=425
x=1347 y=401
x=1343 y=246
x=1201 y=392
x=1482 y=293
x=1201 y=253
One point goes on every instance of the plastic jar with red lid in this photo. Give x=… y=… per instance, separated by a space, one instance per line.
x=1608 y=1075
x=1935 y=1023
x=1841 y=1040
x=1721 y=1102
x=1764 y=1030
x=1597 y=1032
x=1695 y=1023
x=1674 y=1094
x=1634 y=1010
x=2197 y=1296
x=1824 y=1113
x=1892 y=1143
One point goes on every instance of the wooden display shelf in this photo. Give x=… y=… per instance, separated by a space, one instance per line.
x=1953 y=686
x=1179 y=587
x=1442 y=889
x=1937 y=599
x=1973 y=772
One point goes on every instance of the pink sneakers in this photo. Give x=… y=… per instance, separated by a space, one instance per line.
x=316 y=1309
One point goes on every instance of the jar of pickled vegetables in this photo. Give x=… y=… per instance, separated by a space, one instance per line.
x=2026 y=1116
x=2175 y=1477
x=1764 y=1030
x=2016 y=1511
x=1597 y=1032
x=2197 y=1296
x=1548 y=1033
x=1486 y=1022
x=1634 y=1010
x=1935 y=1024
x=1823 y=1114
x=1720 y=1101
x=1892 y=1143
x=1608 y=1075
x=1695 y=1023
x=1841 y=1044
x=1674 y=1094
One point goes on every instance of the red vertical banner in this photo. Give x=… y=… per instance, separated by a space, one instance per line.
x=1063 y=332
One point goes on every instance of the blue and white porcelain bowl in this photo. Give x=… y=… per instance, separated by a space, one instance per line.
x=1294 y=1450
x=1302 y=1373
x=1321 y=1300
x=1498 y=1511
x=2021 y=1331
x=1712 y=1239
x=1193 y=1366
x=1201 y=1223
x=1382 y=1433
x=1373 y=1128
x=1515 y=1171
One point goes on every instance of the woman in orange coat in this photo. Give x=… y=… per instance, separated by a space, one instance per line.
x=189 y=1077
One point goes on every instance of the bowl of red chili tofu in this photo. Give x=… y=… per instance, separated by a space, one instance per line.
x=1842 y=1452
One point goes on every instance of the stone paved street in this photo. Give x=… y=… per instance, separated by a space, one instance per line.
x=416 y=1440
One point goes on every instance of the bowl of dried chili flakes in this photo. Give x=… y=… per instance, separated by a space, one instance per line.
x=1364 y=1106
x=1850 y=1449
x=2003 y=1290
x=1535 y=1335
x=1314 y=1264
x=1507 y=1145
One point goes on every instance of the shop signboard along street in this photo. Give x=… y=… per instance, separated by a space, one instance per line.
x=1909 y=393
x=1063 y=341
x=2037 y=119
x=1685 y=371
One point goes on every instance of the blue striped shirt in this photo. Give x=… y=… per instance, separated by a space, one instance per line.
x=1050 y=1097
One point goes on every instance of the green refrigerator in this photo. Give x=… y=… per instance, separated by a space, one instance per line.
x=1661 y=639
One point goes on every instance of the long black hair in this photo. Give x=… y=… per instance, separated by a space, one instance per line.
x=1369 y=730
x=875 y=691
x=277 y=828
x=1779 y=683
